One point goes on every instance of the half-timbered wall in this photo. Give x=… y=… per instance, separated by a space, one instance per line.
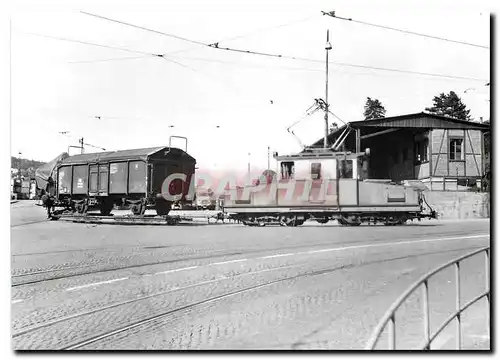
x=447 y=161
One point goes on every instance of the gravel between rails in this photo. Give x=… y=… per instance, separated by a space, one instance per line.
x=60 y=338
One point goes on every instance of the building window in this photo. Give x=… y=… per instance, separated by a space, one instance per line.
x=456 y=152
x=422 y=151
x=316 y=171
x=287 y=169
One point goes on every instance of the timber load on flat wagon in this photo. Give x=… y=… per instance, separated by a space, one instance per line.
x=132 y=179
x=324 y=185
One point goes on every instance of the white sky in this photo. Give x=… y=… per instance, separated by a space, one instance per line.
x=139 y=98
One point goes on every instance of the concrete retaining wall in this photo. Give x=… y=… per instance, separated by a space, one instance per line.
x=459 y=204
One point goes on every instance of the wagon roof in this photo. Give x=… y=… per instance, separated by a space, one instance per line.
x=132 y=154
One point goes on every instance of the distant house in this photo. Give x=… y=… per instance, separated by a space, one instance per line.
x=445 y=153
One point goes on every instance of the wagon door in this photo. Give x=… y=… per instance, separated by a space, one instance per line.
x=93 y=180
x=80 y=179
x=137 y=177
x=103 y=180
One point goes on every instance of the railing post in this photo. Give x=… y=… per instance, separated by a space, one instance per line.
x=487 y=276
x=389 y=319
x=392 y=332
x=457 y=302
x=425 y=298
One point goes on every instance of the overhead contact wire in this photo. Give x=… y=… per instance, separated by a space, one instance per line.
x=333 y=15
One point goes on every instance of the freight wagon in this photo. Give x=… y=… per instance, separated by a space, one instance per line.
x=130 y=178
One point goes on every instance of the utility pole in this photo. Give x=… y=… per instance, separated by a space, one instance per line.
x=268 y=158
x=249 y=179
x=328 y=47
x=20 y=175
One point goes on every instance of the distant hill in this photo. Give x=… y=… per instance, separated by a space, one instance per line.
x=28 y=167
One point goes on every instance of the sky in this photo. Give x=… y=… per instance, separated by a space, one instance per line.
x=230 y=104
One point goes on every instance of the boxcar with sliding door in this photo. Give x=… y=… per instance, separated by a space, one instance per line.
x=128 y=178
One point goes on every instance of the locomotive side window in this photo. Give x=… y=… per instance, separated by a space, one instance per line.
x=287 y=169
x=345 y=169
x=315 y=171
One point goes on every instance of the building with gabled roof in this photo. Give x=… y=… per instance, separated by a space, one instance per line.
x=443 y=152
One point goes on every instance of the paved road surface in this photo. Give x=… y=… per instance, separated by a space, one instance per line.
x=233 y=287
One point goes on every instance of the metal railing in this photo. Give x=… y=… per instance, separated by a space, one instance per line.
x=389 y=318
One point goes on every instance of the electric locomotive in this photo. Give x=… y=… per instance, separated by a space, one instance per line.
x=322 y=184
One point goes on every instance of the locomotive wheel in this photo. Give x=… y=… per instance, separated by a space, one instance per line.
x=299 y=222
x=294 y=222
x=323 y=220
x=395 y=221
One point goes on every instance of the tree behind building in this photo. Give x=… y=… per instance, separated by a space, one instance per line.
x=449 y=105
x=374 y=109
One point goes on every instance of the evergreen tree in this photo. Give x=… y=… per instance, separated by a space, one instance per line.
x=449 y=105
x=374 y=109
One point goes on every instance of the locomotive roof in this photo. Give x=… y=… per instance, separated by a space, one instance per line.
x=132 y=154
x=318 y=154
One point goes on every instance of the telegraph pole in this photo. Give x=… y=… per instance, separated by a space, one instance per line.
x=268 y=158
x=328 y=47
x=20 y=167
x=249 y=178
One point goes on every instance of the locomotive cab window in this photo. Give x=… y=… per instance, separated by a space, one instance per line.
x=315 y=171
x=345 y=169
x=422 y=151
x=287 y=169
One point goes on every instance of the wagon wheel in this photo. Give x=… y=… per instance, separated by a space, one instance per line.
x=163 y=207
x=323 y=220
x=349 y=221
x=81 y=208
x=106 y=207
x=138 y=209
x=172 y=221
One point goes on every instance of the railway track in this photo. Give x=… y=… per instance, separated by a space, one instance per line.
x=104 y=270
x=173 y=219
x=163 y=314
x=235 y=253
x=30 y=223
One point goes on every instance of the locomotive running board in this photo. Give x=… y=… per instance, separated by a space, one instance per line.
x=311 y=209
